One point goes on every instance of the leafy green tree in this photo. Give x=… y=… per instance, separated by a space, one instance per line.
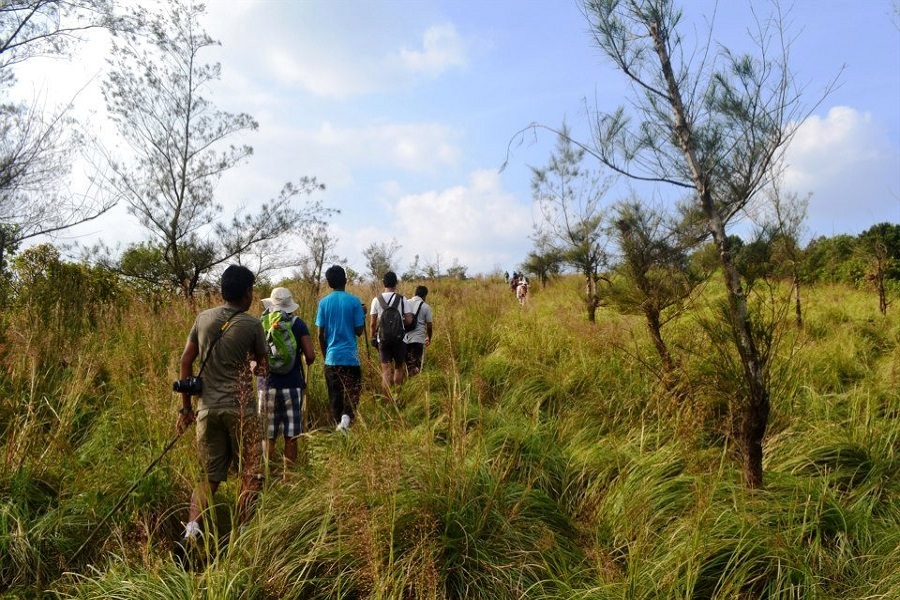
x=716 y=127
x=833 y=260
x=879 y=246
x=571 y=226
x=76 y=294
x=179 y=149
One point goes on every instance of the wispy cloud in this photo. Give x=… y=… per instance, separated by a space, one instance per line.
x=442 y=49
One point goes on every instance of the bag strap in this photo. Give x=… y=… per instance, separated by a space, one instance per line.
x=416 y=316
x=222 y=331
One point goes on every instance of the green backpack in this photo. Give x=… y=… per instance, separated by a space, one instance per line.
x=281 y=340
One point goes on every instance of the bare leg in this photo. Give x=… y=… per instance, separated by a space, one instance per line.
x=399 y=374
x=387 y=376
x=290 y=450
x=200 y=499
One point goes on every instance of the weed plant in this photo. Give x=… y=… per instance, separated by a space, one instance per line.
x=536 y=456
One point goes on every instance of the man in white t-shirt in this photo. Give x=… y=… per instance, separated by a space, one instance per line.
x=391 y=352
x=419 y=338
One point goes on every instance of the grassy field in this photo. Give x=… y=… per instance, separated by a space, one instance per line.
x=537 y=456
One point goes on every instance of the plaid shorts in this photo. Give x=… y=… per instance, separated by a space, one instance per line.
x=281 y=410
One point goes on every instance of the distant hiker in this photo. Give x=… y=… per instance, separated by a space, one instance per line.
x=281 y=393
x=228 y=427
x=522 y=290
x=419 y=337
x=340 y=319
x=513 y=282
x=391 y=314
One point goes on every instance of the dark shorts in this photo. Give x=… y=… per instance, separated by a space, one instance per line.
x=394 y=352
x=415 y=352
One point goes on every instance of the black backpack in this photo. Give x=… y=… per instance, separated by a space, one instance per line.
x=415 y=321
x=390 y=323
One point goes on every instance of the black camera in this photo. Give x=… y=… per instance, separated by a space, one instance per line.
x=189 y=385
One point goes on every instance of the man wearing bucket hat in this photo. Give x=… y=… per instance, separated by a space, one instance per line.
x=281 y=393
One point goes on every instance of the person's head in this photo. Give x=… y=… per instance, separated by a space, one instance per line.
x=421 y=291
x=336 y=277
x=237 y=285
x=280 y=299
x=389 y=280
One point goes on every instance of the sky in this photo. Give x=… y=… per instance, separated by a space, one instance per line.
x=408 y=111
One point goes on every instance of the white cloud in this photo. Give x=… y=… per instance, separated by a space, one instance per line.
x=415 y=147
x=442 y=49
x=852 y=169
x=480 y=224
x=318 y=48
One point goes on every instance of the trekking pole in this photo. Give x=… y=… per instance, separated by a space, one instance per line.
x=127 y=493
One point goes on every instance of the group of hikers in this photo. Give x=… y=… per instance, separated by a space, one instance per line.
x=518 y=283
x=235 y=346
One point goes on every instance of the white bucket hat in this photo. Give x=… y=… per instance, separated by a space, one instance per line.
x=280 y=299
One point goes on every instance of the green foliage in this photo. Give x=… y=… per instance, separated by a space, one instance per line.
x=533 y=458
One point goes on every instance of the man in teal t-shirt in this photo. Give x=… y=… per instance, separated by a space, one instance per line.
x=340 y=319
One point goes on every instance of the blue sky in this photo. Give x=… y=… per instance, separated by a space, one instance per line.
x=405 y=110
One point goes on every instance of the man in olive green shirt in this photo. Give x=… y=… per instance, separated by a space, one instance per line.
x=229 y=431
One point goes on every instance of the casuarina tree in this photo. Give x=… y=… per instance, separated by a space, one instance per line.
x=178 y=147
x=710 y=121
x=569 y=196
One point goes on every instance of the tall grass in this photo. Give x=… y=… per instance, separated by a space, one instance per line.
x=536 y=456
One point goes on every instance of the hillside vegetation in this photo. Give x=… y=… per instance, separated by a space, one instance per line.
x=536 y=456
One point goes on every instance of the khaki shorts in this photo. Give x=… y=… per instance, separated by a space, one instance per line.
x=226 y=439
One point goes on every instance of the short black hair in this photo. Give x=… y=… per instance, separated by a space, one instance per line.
x=235 y=281
x=336 y=277
x=421 y=291
x=389 y=279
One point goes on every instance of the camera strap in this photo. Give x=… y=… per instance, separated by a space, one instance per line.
x=222 y=331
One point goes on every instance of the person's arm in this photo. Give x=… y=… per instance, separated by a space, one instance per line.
x=428 y=333
x=261 y=369
x=323 y=340
x=309 y=352
x=360 y=329
x=373 y=328
x=186 y=368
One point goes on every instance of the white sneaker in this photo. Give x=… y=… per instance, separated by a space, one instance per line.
x=192 y=530
x=344 y=425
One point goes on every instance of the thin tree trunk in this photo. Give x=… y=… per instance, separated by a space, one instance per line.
x=797 y=309
x=882 y=294
x=754 y=409
x=653 y=324
x=591 y=300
